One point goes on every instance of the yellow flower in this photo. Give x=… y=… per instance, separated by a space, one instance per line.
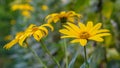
x=22 y=7
x=27 y=7
x=63 y=17
x=82 y=33
x=44 y=7
x=15 y=7
x=36 y=31
x=14 y=41
x=26 y=14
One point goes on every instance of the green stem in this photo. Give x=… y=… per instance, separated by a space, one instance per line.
x=86 y=63
x=85 y=53
x=66 y=57
x=48 y=52
x=35 y=54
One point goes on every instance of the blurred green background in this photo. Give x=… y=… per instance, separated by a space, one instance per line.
x=101 y=55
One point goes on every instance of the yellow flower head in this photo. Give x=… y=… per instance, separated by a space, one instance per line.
x=26 y=14
x=63 y=17
x=36 y=31
x=44 y=7
x=82 y=33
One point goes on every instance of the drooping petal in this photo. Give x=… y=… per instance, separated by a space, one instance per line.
x=10 y=44
x=75 y=40
x=22 y=39
x=83 y=42
x=44 y=30
x=48 y=25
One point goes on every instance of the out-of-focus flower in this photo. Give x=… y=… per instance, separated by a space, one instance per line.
x=26 y=14
x=22 y=7
x=63 y=17
x=8 y=37
x=44 y=7
x=37 y=32
x=15 y=7
x=84 y=33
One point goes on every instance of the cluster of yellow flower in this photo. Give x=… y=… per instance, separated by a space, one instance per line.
x=24 y=8
x=36 y=31
x=80 y=32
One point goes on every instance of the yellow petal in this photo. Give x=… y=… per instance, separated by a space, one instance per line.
x=96 y=38
x=38 y=35
x=97 y=26
x=22 y=39
x=83 y=42
x=71 y=19
x=75 y=40
x=44 y=30
x=69 y=36
x=48 y=25
x=102 y=30
x=103 y=34
x=89 y=25
x=81 y=25
x=74 y=27
x=31 y=26
x=68 y=32
x=10 y=44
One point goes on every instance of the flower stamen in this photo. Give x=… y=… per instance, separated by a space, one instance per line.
x=84 y=35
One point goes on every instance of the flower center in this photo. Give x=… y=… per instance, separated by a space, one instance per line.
x=84 y=35
x=63 y=19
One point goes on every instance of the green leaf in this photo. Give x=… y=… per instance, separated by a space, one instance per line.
x=73 y=60
x=80 y=4
x=107 y=9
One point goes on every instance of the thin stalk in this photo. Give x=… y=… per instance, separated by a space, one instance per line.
x=85 y=54
x=86 y=63
x=37 y=57
x=48 y=52
x=66 y=57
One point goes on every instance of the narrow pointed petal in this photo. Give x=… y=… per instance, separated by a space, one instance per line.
x=96 y=38
x=75 y=27
x=102 y=30
x=10 y=44
x=89 y=25
x=82 y=26
x=68 y=36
